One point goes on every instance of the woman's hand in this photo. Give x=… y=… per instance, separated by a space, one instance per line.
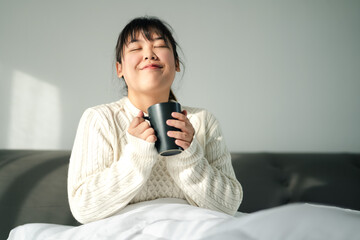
x=185 y=137
x=141 y=129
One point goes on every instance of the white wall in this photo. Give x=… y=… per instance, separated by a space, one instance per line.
x=279 y=75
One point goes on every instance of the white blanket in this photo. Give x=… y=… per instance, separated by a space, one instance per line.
x=175 y=219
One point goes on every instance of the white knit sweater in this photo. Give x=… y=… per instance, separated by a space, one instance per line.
x=109 y=168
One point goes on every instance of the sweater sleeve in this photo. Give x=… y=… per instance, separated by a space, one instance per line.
x=206 y=175
x=98 y=184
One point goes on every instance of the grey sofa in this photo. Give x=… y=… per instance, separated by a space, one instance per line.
x=33 y=183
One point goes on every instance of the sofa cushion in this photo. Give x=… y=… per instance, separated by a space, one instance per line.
x=274 y=179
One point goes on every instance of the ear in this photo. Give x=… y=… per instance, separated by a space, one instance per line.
x=177 y=65
x=119 y=70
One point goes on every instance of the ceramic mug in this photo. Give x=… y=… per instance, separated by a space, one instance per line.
x=158 y=115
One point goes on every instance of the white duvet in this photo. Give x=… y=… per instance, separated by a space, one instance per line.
x=175 y=219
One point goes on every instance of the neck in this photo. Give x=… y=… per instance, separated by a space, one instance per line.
x=143 y=102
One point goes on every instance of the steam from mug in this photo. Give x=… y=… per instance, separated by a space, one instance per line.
x=158 y=115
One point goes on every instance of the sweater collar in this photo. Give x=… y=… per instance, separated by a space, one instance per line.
x=128 y=104
x=134 y=110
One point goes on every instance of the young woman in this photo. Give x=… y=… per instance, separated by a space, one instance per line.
x=114 y=161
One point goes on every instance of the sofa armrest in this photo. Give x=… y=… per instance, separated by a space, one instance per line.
x=33 y=188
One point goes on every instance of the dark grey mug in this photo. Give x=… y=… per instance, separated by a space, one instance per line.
x=158 y=115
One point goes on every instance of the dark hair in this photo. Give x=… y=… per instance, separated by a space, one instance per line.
x=147 y=26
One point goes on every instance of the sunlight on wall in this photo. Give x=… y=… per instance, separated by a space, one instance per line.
x=35 y=114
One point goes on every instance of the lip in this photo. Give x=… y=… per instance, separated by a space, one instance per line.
x=151 y=66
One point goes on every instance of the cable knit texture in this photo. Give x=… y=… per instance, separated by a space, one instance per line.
x=109 y=168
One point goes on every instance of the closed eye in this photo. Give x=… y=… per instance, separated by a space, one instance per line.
x=134 y=49
x=161 y=46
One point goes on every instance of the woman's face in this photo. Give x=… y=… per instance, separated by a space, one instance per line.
x=148 y=66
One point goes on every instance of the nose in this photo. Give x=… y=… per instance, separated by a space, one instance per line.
x=150 y=55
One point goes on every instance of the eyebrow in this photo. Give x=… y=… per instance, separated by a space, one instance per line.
x=137 y=40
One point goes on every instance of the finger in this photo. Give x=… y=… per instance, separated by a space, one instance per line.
x=149 y=135
x=185 y=145
x=185 y=113
x=139 y=129
x=185 y=127
x=148 y=132
x=135 y=122
x=179 y=116
x=140 y=114
x=180 y=135
x=177 y=124
x=151 y=139
x=142 y=127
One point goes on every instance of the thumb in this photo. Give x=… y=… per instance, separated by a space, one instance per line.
x=140 y=114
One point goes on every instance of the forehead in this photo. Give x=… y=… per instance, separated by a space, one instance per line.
x=144 y=34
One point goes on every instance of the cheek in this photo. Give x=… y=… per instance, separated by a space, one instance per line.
x=169 y=58
x=131 y=61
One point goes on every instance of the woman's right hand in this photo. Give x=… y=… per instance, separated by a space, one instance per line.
x=141 y=129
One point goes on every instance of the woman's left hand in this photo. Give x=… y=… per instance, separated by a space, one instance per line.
x=185 y=137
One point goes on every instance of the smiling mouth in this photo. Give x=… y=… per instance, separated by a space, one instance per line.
x=152 y=66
